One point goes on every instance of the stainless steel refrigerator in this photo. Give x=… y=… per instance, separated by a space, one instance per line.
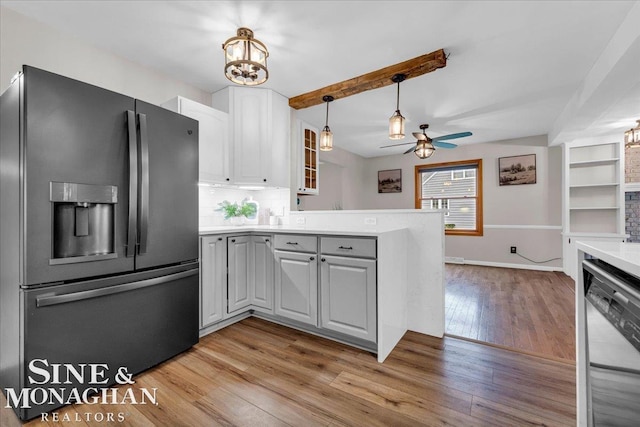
x=98 y=230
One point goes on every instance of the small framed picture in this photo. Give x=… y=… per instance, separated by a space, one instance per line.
x=390 y=181
x=516 y=170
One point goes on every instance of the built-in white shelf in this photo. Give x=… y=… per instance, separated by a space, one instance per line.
x=592 y=208
x=593 y=194
x=594 y=162
x=604 y=184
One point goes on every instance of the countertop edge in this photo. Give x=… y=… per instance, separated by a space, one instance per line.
x=625 y=256
x=206 y=231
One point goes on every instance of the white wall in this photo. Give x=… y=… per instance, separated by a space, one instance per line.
x=526 y=216
x=24 y=41
x=330 y=195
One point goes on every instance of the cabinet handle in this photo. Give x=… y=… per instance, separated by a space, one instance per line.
x=292 y=243
x=312 y=258
x=265 y=180
x=323 y=259
x=233 y=240
x=266 y=240
x=349 y=248
x=219 y=238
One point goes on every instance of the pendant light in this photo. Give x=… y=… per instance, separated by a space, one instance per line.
x=326 y=136
x=396 y=121
x=632 y=137
x=245 y=59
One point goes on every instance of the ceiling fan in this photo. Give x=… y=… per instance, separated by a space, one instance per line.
x=425 y=146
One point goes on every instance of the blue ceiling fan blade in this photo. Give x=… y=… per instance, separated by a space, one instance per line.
x=452 y=136
x=443 y=144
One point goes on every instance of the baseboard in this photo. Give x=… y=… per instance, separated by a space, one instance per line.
x=456 y=260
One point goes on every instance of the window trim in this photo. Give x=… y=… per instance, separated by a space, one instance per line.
x=479 y=231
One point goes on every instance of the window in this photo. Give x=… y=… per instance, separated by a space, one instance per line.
x=455 y=187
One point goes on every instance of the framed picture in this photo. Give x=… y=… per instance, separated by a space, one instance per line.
x=390 y=181
x=516 y=170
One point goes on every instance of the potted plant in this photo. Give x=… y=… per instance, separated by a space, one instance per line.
x=236 y=213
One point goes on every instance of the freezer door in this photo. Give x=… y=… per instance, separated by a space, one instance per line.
x=168 y=189
x=134 y=321
x=75 y=140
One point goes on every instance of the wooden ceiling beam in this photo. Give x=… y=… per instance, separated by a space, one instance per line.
x=376 y=79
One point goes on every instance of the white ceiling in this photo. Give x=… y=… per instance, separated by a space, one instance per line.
x=516 y=68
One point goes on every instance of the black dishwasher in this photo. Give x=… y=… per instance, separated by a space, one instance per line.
x=612 y=307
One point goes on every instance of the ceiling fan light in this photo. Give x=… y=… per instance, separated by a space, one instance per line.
x=326 y=139
x=424 y=149
x=396 y=126
x=245 y=59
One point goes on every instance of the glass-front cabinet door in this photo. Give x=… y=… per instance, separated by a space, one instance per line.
x=309 y=174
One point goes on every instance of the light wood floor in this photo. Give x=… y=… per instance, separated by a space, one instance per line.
x=532 y=311
x=258 y=373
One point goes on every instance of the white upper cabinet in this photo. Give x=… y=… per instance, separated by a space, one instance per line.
x=259 y=133
x=214 y=151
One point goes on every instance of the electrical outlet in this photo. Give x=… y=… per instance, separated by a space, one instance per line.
x=300 y=220
x=370 y=221
x=513 y=249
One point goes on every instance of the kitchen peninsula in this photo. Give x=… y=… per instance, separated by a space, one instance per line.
x=359 y=277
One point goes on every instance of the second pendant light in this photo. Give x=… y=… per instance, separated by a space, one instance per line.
x=396 y=121
x=326 y=136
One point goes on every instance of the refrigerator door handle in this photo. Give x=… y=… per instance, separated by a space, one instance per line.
x=133 y=184
x=143 y=195
x=49 y=300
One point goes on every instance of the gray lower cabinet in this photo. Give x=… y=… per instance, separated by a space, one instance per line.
x=283 y=276
x=296 y=286
x=213 y=257
x=250 y=279
x=348 y=296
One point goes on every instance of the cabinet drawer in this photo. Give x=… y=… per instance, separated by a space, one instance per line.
x=348 y=246
x=296 y=242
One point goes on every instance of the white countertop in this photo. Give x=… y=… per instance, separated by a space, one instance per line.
x=301 y=229
x=625 y=256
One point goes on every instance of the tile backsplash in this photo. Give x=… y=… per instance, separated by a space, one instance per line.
x=272 y=201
